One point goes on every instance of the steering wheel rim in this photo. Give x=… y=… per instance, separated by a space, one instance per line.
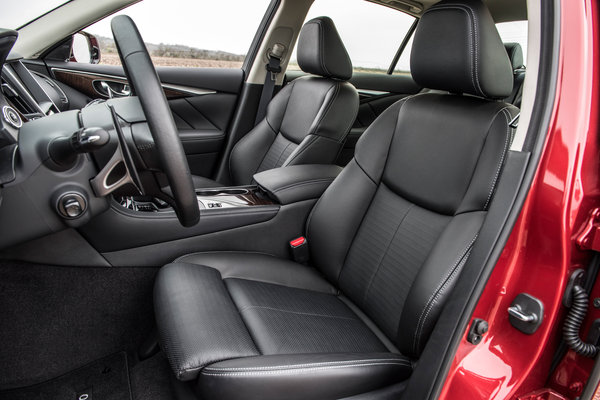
x=144 y=83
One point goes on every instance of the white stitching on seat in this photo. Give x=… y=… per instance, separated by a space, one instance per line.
x=435 y=295
x=306 y=365
x=505 y=150
x=474 y=43
x=302 y=370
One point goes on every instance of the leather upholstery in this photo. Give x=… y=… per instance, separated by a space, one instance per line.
x=321 y=51
x=306 y=123
x=201 y=182
x=187 y=338
x=297 y=182
x=308 y=120
x=515 y=54
x=388 y=240
x=261 y=268
x=467 y=55
x=400 y=221
x=301 y=376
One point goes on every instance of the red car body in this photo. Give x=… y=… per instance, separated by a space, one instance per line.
x=543 y=249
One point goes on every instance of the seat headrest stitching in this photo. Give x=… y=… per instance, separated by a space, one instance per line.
x=322 y=46
x=473 y=44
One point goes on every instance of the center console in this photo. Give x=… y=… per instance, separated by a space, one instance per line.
x=260 y=217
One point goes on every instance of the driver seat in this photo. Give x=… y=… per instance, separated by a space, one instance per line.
x=388 y=241
x=308 y=120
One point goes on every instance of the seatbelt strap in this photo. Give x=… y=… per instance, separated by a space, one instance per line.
x=273 y=68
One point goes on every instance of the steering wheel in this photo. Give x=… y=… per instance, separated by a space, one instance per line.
x=144 y=83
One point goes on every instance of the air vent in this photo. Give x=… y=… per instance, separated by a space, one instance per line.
x=15 y=100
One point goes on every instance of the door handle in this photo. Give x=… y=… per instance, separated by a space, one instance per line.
x=112 y=89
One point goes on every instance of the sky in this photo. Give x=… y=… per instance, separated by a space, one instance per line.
x=371 y=32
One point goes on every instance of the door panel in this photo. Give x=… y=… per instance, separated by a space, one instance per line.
x=377 y=92
x=202 y=100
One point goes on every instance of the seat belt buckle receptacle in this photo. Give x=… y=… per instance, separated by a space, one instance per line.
x=299 y=250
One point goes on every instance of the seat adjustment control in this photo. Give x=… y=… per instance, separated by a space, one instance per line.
x=71 y=205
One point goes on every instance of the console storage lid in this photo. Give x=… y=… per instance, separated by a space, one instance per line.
x=297 y=182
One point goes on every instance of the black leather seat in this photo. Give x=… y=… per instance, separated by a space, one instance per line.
x=387 y=241
x=308 y=120
x=515 y=53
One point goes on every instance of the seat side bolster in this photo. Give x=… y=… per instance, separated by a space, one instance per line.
x=301 y=376
x=435 y=281
x=197 y=320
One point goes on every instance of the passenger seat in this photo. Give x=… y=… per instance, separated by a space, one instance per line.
x=515 y=53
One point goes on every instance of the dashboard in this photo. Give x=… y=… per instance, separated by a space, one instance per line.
x=28 y=96
x=24 y=96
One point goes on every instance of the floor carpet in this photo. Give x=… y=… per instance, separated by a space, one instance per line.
x=106 y=379
x=59 y=319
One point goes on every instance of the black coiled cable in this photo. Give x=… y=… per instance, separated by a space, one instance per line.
x=573 y=322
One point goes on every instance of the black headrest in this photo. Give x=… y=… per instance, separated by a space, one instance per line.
x=515 y=53
x=321 y=51
x=457 y=48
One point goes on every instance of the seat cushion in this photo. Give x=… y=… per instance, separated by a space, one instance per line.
x=301 y=376
x=278 y=318
x=261 y=268
x=284 y=320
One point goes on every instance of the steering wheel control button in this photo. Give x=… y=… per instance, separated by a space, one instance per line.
x=12 y=117
x=71 y=205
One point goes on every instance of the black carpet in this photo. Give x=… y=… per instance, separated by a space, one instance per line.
x=58 y=319
x=151 y=379
x=105 y=379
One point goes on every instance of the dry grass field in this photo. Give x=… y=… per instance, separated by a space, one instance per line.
x=113 y=59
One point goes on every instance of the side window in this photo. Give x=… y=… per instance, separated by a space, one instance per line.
x=515 y=32
x=372 y=40
x=403 y=64
x=188 y=33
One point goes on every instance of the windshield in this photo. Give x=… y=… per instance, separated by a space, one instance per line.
x=15 y=14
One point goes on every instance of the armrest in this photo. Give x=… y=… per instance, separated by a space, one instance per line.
x=297 y=182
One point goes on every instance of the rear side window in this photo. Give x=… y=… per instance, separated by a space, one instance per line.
x=372 y=33
x=514 y=32
x=186 y=33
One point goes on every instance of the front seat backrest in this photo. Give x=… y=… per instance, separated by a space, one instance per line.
x=395 y=228
x=308 y=120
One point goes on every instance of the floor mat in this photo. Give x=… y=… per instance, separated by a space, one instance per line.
x=105 y=379
x=58 y=319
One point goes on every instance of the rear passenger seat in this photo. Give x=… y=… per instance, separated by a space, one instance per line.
x=515 y=53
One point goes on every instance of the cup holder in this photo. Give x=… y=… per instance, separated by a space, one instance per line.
x=221 y=192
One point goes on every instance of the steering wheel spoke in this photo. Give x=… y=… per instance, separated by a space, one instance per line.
x=145 y=84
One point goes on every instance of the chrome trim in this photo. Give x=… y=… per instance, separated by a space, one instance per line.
x=15 y=124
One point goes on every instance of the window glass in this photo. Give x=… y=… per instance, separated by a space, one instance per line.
x=403 y=65
x=186 y=33
x=371 y=32
x=514 y=32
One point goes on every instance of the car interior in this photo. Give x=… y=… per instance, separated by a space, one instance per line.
x=261 y=232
